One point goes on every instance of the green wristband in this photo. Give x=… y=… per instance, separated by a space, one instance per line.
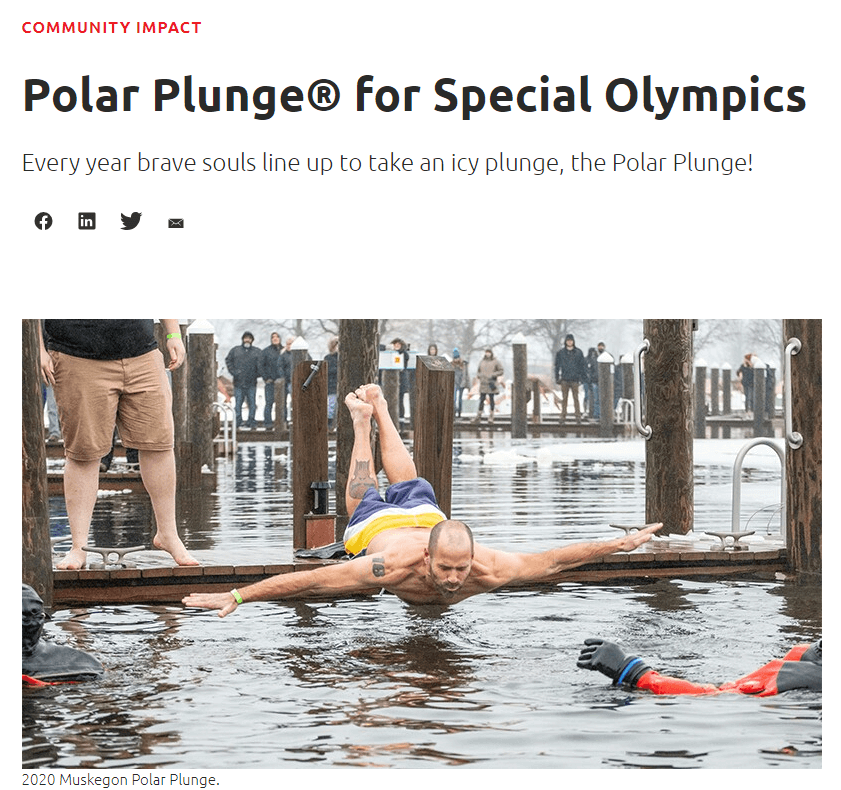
x=237 y=596
x=172 y=335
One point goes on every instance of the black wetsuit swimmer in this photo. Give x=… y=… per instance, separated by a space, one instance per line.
x=800 y=668
x=43 y=663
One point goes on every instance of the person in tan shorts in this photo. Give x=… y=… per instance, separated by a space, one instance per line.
x=109 y=373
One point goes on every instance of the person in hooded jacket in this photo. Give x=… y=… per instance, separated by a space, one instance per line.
x=489 y=371
x=570 y=371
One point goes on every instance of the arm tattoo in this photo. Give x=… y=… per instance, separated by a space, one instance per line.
x=361 y=480
x=378 y=567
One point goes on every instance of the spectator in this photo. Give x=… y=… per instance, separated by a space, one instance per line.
x=489 y=370
x=570 y=370
x=460 y=380
x=107 y=373
x=591 y=384
x=243 y=363
x=745 y=375
x=271 y=370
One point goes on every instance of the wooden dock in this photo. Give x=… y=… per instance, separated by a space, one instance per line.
x=166 y=585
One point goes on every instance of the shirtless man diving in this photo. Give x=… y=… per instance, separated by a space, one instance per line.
x=405 y=544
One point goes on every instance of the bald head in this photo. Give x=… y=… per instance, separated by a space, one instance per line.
x=454 y=535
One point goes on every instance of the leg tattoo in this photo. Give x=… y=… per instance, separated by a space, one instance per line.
x=362 y=480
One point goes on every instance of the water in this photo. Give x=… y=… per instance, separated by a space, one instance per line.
x=489 y=683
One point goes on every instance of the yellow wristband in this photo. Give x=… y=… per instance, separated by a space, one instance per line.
x=237 y=596
x=172 y=335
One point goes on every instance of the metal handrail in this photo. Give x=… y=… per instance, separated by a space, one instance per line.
x=228 y=410
x=737 y=483
x=793 y=438
x=644 y=430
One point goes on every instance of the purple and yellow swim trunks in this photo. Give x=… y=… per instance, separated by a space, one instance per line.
x=410 y=503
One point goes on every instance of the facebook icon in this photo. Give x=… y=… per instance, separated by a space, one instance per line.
x=87 y=220
x=43 y=221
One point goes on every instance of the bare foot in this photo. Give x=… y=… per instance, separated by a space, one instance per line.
x=175 y=548
x=74 y=560
x=358 y=408
x=373 y=394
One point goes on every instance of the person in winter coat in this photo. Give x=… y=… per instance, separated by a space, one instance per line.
x=243 y=363
x=488 y=372
x=460 y=380
x=271 y=370
x=570 y=371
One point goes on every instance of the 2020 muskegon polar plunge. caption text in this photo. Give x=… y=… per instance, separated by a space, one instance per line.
x=104 y=779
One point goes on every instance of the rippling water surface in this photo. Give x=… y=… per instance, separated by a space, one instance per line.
x=490 y=683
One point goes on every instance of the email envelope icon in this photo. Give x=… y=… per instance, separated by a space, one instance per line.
x=176 y=223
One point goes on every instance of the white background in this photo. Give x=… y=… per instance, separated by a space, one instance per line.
x=609 y=245
x=704 y=242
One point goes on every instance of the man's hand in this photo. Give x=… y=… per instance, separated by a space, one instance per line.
x=47 y=367
x=177 y=353
x=635 y=539
x=223 y=601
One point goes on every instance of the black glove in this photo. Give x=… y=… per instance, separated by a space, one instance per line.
x=609 y=659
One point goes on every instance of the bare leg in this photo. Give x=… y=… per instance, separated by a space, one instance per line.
x=81 y=481
x=397 y=461
x=157 y=468
x=361 y=475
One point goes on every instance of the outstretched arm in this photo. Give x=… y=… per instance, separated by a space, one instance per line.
x=548 y=565
x=359 y=575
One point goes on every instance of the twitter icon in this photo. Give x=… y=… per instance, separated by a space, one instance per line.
x=131 y=222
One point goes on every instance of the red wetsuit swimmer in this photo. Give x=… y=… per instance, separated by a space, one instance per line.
x=800 y=668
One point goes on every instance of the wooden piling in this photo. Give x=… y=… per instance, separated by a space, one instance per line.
x=519 y=399
x=36 y=566
x=180 y=402
x=359 y=360
x=669 y=484
x=804 y=465
x=606 y=395
x=714 y=410
x=433 y=450
x=759 y=379
x=202 y=389
x=309 y=442
x=726 y=393
x=535 y=401
x=626 y=366
x=700 y=400
x=391 y=392
x=278 y=430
